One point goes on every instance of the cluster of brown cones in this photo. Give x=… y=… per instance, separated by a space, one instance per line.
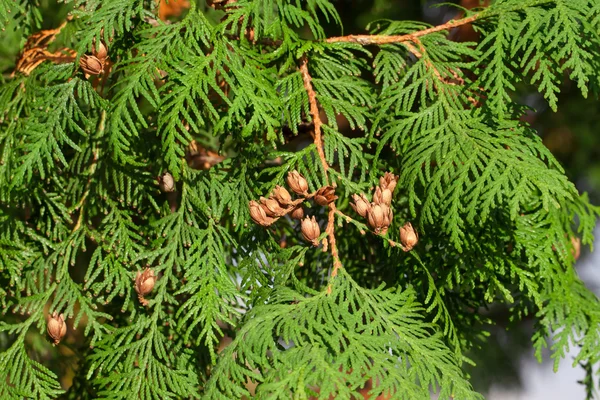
x=268 y=210
x=379 y=213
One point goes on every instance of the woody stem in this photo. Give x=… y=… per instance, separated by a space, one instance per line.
x=318 y=140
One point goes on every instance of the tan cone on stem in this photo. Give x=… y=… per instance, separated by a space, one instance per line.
x=144 y=283
x=282 y=196
x=310 y=230
x=57 y=327
x=258 y=215
x=101 y=52
x=408 y=236
x=91 y=65
x=380 y=218
x=297 y=183
x=325 y=195
x=361 y=204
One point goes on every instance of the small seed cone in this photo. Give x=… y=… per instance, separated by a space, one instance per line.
x=361 y=204
x=57 y=328
x=325 y=195
x=166 y=182
x=144 y=283
x=380 y=217
x=91 y=65
x=310 y=230
x=408 y=236
x=272 y=207
x=258 y=215
x=297 y=183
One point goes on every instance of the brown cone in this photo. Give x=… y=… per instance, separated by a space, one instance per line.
x=408 y=236
x=282 y=196
x=297 y=183
x=361 y=204
x=310 y=230
x=325 y=195
x=258 y=215
x=144 y=283
x=57 y=328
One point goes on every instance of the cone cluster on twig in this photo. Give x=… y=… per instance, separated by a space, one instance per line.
x=268 y=210
x=378 y=213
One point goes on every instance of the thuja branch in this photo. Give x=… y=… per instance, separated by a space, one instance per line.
x=95 y=155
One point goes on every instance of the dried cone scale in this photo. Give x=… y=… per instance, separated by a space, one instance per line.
x=144 y=283
x=101 y=52
x=408 y=236
x=57 y=327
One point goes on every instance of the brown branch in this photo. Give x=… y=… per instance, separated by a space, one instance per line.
x=318 y=140
x=337 y=263
x=410 y=37
x=314 y=111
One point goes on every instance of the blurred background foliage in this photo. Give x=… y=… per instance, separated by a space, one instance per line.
x=570 y=133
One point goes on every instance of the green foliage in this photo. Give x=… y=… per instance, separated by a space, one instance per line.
x=220 y=99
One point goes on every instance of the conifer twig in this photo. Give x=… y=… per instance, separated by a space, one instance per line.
x=95 y=155
x=355 y=222
x=410 y=37
x=314 y=110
